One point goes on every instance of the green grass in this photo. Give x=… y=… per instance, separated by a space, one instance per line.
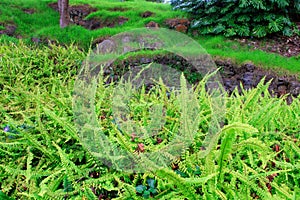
x=41 y=157
x=218 y=46
x=44 y=24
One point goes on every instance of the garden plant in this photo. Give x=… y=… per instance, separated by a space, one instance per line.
x=254 y=154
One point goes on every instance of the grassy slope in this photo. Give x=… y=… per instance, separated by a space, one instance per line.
x=44 y=23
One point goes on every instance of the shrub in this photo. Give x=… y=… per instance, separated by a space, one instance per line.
x=241 y=17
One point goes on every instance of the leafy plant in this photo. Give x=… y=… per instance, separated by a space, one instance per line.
x=255 y=154
x=147 y=191
x=256 y=18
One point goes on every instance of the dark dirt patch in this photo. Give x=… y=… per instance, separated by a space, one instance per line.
x=9 y=28
x=99 y=40
x=96 y=23
x=283 y=45
x=147 y=14
x=152 y=24
x=83 y=10
x=178 y=24
x=79 y=12
x=44 y=41
x=232 y=75
x=29 y=11
x=250 y=75
x=118 y=9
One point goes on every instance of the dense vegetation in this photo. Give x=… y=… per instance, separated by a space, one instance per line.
x=255 y=155
x=256 y=18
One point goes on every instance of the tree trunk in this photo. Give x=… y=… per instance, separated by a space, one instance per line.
x=63 y=7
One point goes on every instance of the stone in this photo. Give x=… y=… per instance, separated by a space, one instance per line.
x=181 y=28
x=282 y=90
x=105 y=47
x=294 y=88
x=29 y=11
x=147 y=14
x=178 y=24
x=247 y=79
x=249 y=67
x=152 y=24
x=9 y=30
x=122 y=20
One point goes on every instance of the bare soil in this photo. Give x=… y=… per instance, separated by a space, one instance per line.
x=29 y=11
x=233 y=76
x=283 y=45
x=118 y=9
x=9 y=28
x=78 y=14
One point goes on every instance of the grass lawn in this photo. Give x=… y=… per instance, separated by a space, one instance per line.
x=253 y=153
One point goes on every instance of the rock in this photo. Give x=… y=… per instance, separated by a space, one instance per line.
x=78 y=13
x=232 y=75
x=249 y=67
x=29 y=11
x=122 y=20
x=118 y=9
x=294 y=88
x=282 y=90
x=181 y=28
x=178 y=24
x=230 y=84
x=247 y=78
x=226 y=71
x=127 y=49
x=145 y=60
x=105 y=47
x=152 y=24
x=147 y=14
x=9 y=30
x=195 y=33
x=175 y=21
x=126 y=39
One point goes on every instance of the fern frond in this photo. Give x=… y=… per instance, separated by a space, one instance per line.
x=226 y=146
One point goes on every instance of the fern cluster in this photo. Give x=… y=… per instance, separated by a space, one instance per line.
x=255 y=155
x=256 y=18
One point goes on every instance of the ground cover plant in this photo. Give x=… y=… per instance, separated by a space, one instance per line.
x=256 y=154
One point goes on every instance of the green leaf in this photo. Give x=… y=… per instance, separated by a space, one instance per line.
x=146 y=194
x=4 y=196
x=140 y=188
x=151 y=182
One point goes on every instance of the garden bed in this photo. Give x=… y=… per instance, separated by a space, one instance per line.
x=233 y=76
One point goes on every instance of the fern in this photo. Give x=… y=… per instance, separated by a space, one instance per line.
x=226 y=146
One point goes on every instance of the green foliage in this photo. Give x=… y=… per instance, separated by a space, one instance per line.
x=42 y=158
x=256 y=18
x=147 y=191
